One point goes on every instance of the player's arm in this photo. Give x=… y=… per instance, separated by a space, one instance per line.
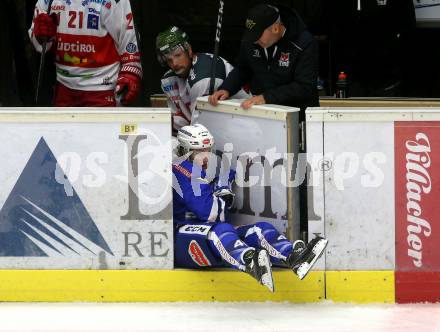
x=240 y=75
x=200 y=198
x=209 y=205
x=118 y=20
x=242 y=94
x=235 y=80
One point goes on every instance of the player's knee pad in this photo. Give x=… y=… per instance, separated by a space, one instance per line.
x=192 y=248
x=249 y=235
x=268 y=237
x=266 y=227
x=255 y=233
x=225 y=240
x=221 y=229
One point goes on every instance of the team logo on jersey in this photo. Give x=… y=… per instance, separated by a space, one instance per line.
x=284 y=60
x=92 y=22
x=99 y=2
x=197 y=254
x=72 y=59
x=250 y=24
x=131 y=48
x=168 y=88
x=40 y=218
x=94 y=11
x=192 y=74
x=58 y=8
x=257 y=53
x=107 y=81
x=75 y=47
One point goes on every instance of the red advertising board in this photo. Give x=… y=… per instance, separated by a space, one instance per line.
x=417 y=195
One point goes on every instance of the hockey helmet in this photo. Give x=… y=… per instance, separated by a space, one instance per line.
x=168 y=41
x=194 y=137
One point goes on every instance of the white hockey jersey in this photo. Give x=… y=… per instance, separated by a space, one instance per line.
x=95 y=40
x=182 y=93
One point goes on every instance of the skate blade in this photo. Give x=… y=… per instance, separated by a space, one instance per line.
x=266 y=278
x=305 y=267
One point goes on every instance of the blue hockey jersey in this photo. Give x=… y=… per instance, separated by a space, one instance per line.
x=194 y=196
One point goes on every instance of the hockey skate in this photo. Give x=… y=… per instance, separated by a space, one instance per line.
x=302 y=258
x=258 y=266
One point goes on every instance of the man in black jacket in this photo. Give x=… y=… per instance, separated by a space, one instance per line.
x=278 y=58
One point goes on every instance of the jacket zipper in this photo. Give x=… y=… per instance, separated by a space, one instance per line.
x=273 y=56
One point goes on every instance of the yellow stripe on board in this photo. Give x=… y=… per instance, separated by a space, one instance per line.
x=154 y=286
x=360 y=286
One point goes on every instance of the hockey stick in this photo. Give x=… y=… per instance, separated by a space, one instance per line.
x=43 y=54
x=216 y=47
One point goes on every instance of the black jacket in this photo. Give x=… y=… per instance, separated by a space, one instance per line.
x=289 y=78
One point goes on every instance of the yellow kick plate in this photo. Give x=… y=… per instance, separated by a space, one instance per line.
x=154 y=286
x=360 y=286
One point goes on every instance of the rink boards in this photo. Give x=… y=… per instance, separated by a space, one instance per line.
x=361 y=264
x=374 y=189
x=262 y=143
x=75 y=193
x=192 y=286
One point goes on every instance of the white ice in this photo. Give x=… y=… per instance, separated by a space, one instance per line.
x=247 y=317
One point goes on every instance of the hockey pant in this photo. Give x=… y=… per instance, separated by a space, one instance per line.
x=220 y=244
x=209 y=245
x=66 y=97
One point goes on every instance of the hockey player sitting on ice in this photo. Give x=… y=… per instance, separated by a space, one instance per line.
x=189 y=75
x=95 y=48
x=204 y=238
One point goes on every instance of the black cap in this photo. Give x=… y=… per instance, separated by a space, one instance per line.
x=258 y=19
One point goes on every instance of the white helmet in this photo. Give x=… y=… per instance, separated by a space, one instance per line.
x=195 y=137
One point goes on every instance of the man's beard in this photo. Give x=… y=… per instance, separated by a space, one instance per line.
x=183 y=73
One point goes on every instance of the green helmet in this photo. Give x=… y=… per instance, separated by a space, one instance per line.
x=169 y=40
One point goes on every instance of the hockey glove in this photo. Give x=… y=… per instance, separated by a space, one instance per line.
x=226 y=195
x=127 y=87
x=45 y=27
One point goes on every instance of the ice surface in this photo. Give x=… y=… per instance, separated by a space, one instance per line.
x=247 y=317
